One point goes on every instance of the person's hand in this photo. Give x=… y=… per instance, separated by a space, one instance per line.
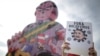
x=65 y=45
x=92 y=51
x=12 y=45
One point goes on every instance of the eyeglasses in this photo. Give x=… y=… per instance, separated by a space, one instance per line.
x=45 y=8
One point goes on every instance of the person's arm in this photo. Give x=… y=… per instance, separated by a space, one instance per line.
x=11 y=42
x=65 y=46
x=92 y=51
x=14 y=43
x=63 y=54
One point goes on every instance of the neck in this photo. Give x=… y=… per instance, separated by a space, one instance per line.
x=42 y=21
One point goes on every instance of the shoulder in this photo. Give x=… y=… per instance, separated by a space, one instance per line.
x=29 y=26
x=59 y=25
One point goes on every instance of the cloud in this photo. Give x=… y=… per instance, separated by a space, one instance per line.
x=88 y=9
x=0 y=25
x=83 y=10
x=79 y=10
x=2 y=44
x=2 y=53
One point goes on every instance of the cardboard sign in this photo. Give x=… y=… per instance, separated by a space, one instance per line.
x=79 y=35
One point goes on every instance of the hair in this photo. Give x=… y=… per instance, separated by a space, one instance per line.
x=54 y=12
x=45 y=54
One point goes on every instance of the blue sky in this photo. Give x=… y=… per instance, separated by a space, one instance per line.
x=16 y=14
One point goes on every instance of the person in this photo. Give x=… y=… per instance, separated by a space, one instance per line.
x=47 y=53
x=44 y=32
x=65 y=46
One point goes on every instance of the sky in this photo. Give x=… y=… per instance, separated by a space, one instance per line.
x=16 y=14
